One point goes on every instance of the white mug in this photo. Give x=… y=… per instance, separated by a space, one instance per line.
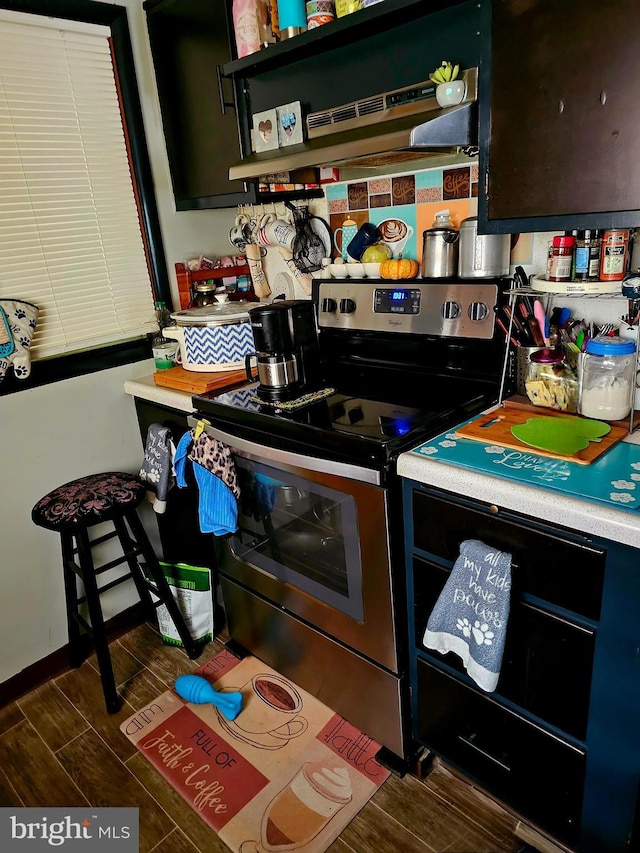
x=276 y=232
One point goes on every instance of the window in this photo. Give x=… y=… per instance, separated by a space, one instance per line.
x=72 y=240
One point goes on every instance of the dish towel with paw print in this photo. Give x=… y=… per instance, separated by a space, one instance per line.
x=470 y=615
x=157 y=467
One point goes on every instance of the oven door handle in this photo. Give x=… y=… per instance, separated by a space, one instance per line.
x=260 y=452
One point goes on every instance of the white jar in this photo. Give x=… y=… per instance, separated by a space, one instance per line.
x=607 y=378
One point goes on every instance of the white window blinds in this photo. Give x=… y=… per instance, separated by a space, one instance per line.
x=70 y=237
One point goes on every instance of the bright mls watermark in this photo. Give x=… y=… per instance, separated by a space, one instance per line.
x=104 y=830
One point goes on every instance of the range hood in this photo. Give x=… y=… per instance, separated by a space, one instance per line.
x=407 y=120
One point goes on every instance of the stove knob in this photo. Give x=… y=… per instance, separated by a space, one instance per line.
x=478 y=311
x=347 y=306
x=329 y=305
x=450 y=310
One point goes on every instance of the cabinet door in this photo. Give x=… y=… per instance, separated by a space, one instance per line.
x=547 y=663
x=545 y=564
x=189 y=45
x=537 y=773
x=564 y=116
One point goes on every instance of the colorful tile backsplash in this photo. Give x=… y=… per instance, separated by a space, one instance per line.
x=413 y=199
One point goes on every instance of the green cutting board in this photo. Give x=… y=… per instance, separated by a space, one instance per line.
x=563 y=435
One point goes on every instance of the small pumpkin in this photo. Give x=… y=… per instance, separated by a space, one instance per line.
x=398 y=268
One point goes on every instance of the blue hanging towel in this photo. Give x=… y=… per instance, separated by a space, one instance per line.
x=216 y=479
x=470 y=615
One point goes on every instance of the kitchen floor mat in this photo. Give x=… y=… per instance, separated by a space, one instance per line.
x=287 y=774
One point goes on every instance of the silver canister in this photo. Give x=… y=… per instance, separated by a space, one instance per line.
x=440 y=252
x=482 y=255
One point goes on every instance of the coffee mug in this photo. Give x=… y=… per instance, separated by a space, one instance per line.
x=277 y=232
x=367 y=235
x=395 y=233
x=272 y=708
x=166 y=354
x=347 y=232
x=241 y=233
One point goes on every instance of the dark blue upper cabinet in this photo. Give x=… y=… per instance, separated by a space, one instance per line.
x=203 y=122
x=559 y=115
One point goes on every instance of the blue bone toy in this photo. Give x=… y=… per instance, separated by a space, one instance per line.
x=196 y=689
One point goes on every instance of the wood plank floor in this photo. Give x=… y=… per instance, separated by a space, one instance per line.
x=60 y=747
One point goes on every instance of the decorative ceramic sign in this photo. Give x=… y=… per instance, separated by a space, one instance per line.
x=265 y=131
x=290 y=124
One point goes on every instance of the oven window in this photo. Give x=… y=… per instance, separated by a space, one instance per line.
x=303 y=533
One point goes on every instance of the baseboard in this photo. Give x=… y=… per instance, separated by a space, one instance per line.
x=537 y=840
x=57 y=662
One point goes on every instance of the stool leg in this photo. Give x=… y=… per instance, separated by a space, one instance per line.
x=134 y=567
x=76 y=655
x=192 y=648
x=97 y=622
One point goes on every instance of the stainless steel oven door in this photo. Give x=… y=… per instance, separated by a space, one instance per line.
x=313 y=539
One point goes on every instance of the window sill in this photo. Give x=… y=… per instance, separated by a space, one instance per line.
x=77 y=364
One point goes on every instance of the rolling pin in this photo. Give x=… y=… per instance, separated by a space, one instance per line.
x=258 y=278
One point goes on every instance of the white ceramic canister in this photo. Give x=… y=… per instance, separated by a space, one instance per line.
x=213 y=338
x=482 y=255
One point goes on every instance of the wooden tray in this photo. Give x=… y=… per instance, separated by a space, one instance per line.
x=495 y=428
x=198 y=383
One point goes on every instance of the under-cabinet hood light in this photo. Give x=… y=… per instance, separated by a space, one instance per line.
x=407 y=120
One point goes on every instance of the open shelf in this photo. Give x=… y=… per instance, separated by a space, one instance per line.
x=340 y=32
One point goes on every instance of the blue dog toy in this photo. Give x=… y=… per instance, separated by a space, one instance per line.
x=196 y=689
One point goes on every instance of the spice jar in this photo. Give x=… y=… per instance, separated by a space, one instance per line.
x=561 y=260
x=607 y=378
x=586 y=259
x=615 y=254
x=551 y=382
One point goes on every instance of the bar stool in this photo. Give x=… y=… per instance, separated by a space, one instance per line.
x=71 y=510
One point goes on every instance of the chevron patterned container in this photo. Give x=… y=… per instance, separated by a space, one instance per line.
x=213 y=338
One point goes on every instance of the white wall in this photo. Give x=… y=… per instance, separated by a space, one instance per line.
x=77 y=427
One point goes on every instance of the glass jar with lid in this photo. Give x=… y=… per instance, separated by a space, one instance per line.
x=607 y=378
x=550 y=381
x=202 y=293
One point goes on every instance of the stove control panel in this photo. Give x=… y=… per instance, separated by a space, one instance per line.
x=456 y=310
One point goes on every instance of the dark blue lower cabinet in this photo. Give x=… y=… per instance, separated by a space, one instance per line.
x=533 y=771
x=559 y=739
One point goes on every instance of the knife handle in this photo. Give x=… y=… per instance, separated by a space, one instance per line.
x=535 y=331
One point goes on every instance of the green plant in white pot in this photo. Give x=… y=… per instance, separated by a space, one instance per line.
x=449 y=90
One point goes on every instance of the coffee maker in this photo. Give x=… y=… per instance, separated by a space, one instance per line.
x=287 y=356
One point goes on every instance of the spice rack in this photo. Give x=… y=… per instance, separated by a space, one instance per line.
x=187 y=278
x=613 y=293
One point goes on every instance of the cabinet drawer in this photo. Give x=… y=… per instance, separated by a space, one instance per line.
x=565 y=573
x=534 y=772
x=547 y=662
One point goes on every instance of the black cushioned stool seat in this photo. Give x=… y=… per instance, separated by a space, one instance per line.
x=71 y=510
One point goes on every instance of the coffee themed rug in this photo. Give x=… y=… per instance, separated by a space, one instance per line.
x=287 y=774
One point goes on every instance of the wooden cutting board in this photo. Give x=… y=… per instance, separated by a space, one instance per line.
x=495 y=428
x=198 y=383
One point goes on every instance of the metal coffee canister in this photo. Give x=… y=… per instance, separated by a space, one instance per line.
x=482 y=255
x=440 y=252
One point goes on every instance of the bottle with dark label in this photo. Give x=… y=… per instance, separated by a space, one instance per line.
x=586 y=259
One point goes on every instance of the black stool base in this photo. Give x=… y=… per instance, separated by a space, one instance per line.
x=72 y=516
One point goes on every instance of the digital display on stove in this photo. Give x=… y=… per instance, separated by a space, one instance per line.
x=396 y=300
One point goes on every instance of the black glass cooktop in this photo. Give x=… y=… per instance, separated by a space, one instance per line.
x=369 y=423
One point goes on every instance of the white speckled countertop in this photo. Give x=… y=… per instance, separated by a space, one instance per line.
x=145 y=389
x=538 y=502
